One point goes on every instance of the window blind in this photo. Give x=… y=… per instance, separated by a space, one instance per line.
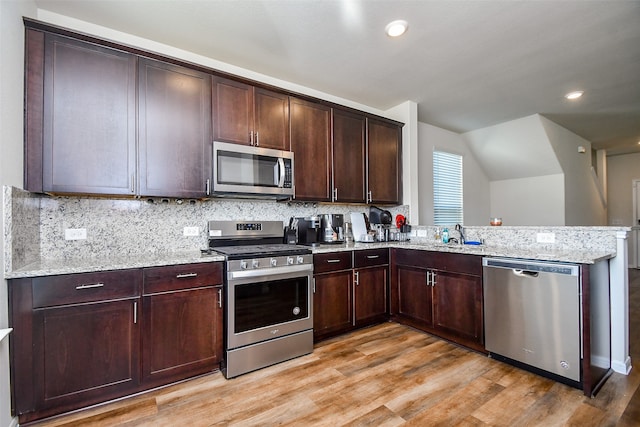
x=447 y=188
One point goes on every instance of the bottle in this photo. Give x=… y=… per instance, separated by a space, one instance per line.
x=445 y=235
x=438 y=235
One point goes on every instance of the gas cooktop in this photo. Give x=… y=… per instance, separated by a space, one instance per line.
x=253 y=251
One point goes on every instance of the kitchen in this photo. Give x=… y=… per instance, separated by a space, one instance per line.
x=185 y=215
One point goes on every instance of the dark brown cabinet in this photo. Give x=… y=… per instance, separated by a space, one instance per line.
x=384 y=162
x=311 y=145
x=346 y=297
x=333 y=294
x=80 y=134
x=349 y=149
x=182 y=322
x=76 y=341
x=83 y=339
x=440 y=293
x=245 y=114
x=175 y=144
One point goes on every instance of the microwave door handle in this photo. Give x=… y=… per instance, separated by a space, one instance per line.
x=281 y=167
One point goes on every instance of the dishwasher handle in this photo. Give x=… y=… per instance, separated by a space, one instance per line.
x=524 y=273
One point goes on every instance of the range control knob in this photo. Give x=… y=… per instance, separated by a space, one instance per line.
x=300 y=259
x=273 y=262
x=255 y=263
x=290 y=260
x=243 y=265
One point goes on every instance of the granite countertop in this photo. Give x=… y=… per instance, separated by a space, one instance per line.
x=51 y=267
x=561 y=255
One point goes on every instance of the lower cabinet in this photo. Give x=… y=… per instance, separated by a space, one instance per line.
x=82 y=339
x=440 y=293
x=182 y=322
x=345 y=297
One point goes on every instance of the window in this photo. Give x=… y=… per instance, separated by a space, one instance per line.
x=447 y=188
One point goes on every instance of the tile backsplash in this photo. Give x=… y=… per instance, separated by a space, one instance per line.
x=117 y=227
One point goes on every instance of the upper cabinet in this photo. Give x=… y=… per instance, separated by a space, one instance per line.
x=311 y=145
x=174 y=137
x=80 y=117
x=384 y=162
x=245 y=114
x=349 y=149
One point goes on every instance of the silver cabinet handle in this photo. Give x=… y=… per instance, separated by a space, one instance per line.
x=220 y=297
x=251 y=138
x=208 y=187
x=370 y=196
x=186 y=275
x=90 y=286
x=257 y=139
x=314 y=285
x=135 y=312
x=433 y=278
x=429 y=273
x=333 y=261
x=133 y=183
x=335 y=194
x=373 y=256
x=356 y=278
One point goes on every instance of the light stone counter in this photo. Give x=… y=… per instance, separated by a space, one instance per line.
x=51 y=267
x=543 y=254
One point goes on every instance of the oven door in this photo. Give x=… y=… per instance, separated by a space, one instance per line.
x=267 y=304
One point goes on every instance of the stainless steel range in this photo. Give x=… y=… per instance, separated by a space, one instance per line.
x=269 y=295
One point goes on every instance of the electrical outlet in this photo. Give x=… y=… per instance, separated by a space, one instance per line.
x=422 y=233
x=75 y=233
x=546 y=237
x=191 y=231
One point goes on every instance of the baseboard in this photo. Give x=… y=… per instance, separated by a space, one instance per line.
x=622 y=367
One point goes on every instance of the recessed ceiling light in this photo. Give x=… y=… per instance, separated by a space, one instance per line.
x=396 y=28
x=574 y=95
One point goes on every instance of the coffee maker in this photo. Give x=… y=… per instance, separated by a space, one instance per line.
x=309 y=230
x=333 y=228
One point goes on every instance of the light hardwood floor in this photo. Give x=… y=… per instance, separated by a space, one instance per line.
x=387 y=375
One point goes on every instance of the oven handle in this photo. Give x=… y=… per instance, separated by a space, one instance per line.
x=267 y=272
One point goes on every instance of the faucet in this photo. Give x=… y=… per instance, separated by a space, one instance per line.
x=460 y=230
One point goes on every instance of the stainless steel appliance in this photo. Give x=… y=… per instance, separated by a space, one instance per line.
x=249 y=171
x=269 y=295
x=533 y=316
x=333 y=228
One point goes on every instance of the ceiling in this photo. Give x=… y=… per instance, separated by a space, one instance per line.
x=467 y=64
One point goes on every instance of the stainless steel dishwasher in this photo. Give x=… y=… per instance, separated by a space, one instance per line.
x=533 y=315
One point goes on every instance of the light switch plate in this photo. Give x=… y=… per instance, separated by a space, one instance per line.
x=546 y=237
x=75 y=233
x=191 y=231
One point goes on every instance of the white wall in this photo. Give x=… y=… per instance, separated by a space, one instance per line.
x=584 y=203
x=475 y=182
x=11 y=96
x=622 y=170
x=537 y=200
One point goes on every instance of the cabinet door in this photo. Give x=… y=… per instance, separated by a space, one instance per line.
x=311 y=146
x=175 y=130
x=232 y=111
x=332 y=303
x=87 y=353
x=182 y=334
x=348 y=157
x=370 y=295
x=414 y=295
x=458 y=306
x=89 y=121
x=384 y=169
x=271 y=126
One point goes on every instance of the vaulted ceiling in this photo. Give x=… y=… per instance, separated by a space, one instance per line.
x=468 y=64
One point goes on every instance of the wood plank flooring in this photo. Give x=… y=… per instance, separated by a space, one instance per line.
x=387 y=375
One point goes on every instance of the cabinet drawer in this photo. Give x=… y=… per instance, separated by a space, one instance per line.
x=370 y=257
x=455 y=263
x=85 y=287
x=183 y=276
x=332 y=262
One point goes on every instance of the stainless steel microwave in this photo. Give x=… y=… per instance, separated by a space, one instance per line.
x=249 y=171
